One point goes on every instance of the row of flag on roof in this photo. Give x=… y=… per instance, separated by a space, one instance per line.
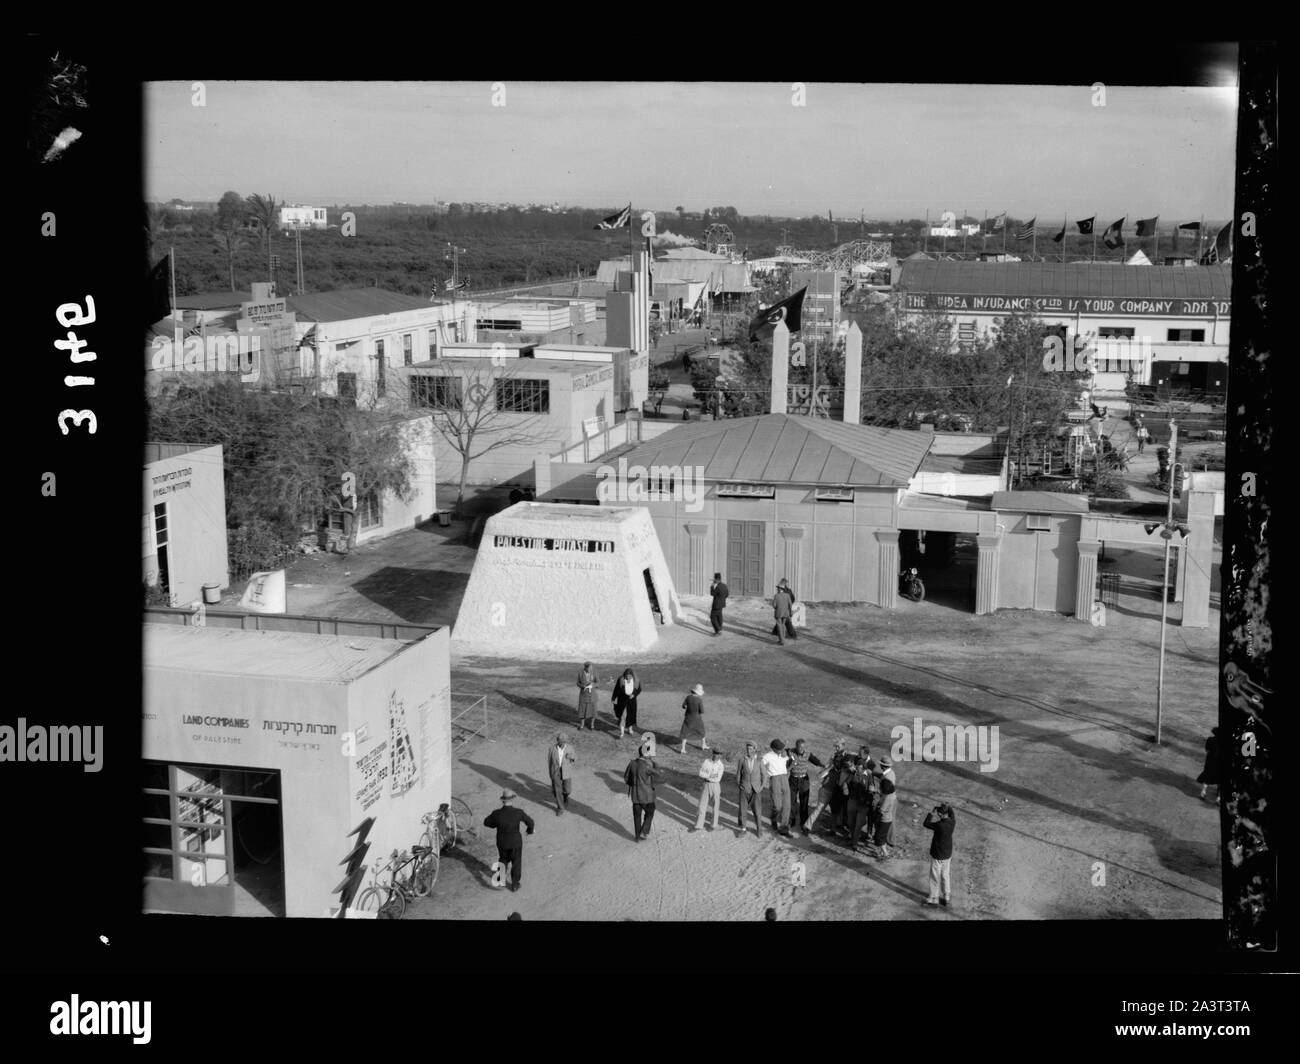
x=1113 y=237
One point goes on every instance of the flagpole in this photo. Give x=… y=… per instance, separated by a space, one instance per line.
x=964 y=214
x=984 y=233
x=1006 y=224
x=1034 y=253
x=926 y=246
x=171 y=262
x=1094 y=237
x=1157 y=227
x=1065 y=224
x=1200 y=236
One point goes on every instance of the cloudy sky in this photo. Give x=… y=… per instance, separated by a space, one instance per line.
x=893 y=151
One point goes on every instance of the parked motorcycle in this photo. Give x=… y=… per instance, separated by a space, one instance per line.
x=910 y=585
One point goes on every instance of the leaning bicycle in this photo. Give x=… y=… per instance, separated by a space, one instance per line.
x=452 y=823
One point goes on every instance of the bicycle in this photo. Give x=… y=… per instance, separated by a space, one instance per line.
x=421 y=872
x=450 y=824
x=382 y=899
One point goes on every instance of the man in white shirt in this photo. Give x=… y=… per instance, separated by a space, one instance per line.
x=559 y=763
x=711 y=773
x=778 y=779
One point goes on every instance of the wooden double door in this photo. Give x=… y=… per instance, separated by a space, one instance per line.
x=746 y=554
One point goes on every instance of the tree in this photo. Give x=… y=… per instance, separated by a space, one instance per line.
x=466 y=414
x=659 y=383
x=267 y=212
x=231 y=240
x=231 y=211
x=285 y=454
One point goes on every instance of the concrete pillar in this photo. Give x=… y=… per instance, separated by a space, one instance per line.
x=987 y=572
x=699 y=572
x=792 y=538
x=780 y=367
x=889 y=568
x=1199 y=551
x=1085 y=587
x=541 y=474
x=853 y=376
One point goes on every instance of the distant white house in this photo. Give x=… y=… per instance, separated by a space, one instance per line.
x=301 y=216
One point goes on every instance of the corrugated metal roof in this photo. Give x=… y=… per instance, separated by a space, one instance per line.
x=786 y=448
x=1081 y=280
x=1040 y=502
x=280 y=655
x=212 y=300
x=351 y=303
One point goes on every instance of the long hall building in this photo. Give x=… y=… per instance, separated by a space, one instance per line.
x=1156 y=325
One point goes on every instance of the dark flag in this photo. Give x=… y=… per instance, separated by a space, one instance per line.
x=621 y=220
x=1114 y=236
x=788 y=310
x=999 y=222
x=1028 y=230
x=1190 y=225
x=452 y=286
x=1085 y=226
x=1222 y=250
x=160 y=302
x=1147 y=226
x=1059 y=236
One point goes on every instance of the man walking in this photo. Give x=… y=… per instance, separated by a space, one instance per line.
x=510 y=843
x=941 y=821
x=711 y=773
x=640 y=779
x=719 y=592
x=782 y=604
x=749 y=775
x=778 y=778
x=559 y=763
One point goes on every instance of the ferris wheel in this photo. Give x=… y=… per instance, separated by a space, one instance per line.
x=718 y=238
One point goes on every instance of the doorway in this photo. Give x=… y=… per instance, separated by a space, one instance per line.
x=655 y=609
x=162 y=541
x=746 y=553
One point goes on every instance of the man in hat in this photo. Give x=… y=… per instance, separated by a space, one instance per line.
x=829 y=792
x=719 y=592
x=782 y=605
x=711 y=772
x=559 y=763
x=798 y=761
x=640 y=779
x=884 y=832
x=778 y=779
x=749 y=776
x=510 y=843
x=941 y=821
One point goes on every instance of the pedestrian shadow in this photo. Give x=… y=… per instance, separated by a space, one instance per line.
x=670 y=801
x=540 y=792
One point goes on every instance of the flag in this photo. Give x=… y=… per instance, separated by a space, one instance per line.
x=1222 y=250
x=1114 y=236
x=1028 y=230
x=621 y=220
x=1147 y=226
x=1059 y=236
x=1190 y=225
x=788 y=310
x=308 y=338
x=1085 y=226
x=160 y=301
x=999 y=222
x=449 y=285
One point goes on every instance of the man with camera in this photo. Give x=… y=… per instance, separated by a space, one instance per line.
x=941 y=821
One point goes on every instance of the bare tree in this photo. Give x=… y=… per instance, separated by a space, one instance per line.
x=483 y=409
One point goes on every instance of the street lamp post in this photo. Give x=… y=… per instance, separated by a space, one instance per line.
x=1167 y=532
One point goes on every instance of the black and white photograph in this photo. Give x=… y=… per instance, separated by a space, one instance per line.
x=671 y=502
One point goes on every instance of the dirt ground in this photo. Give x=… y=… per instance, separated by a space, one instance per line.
x=1085 y=817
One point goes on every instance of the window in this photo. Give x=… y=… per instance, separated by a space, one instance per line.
x=1192 y=336
x=1113 y=332
x=433 y=344
x=523 y=396
x=408 y=349
x=834 y=494
x=1038 y=522
x=748 y=491
x=438 y=393
x=501 y=324
x=381 y=367
x=368 y=512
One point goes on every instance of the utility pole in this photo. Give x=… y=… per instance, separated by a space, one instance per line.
x=1167 y=534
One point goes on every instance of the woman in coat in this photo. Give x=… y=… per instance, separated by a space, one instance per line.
x=586 y=697
x=693 y=722
x=626 y=688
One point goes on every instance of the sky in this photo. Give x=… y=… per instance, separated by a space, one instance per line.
x=891 y=151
